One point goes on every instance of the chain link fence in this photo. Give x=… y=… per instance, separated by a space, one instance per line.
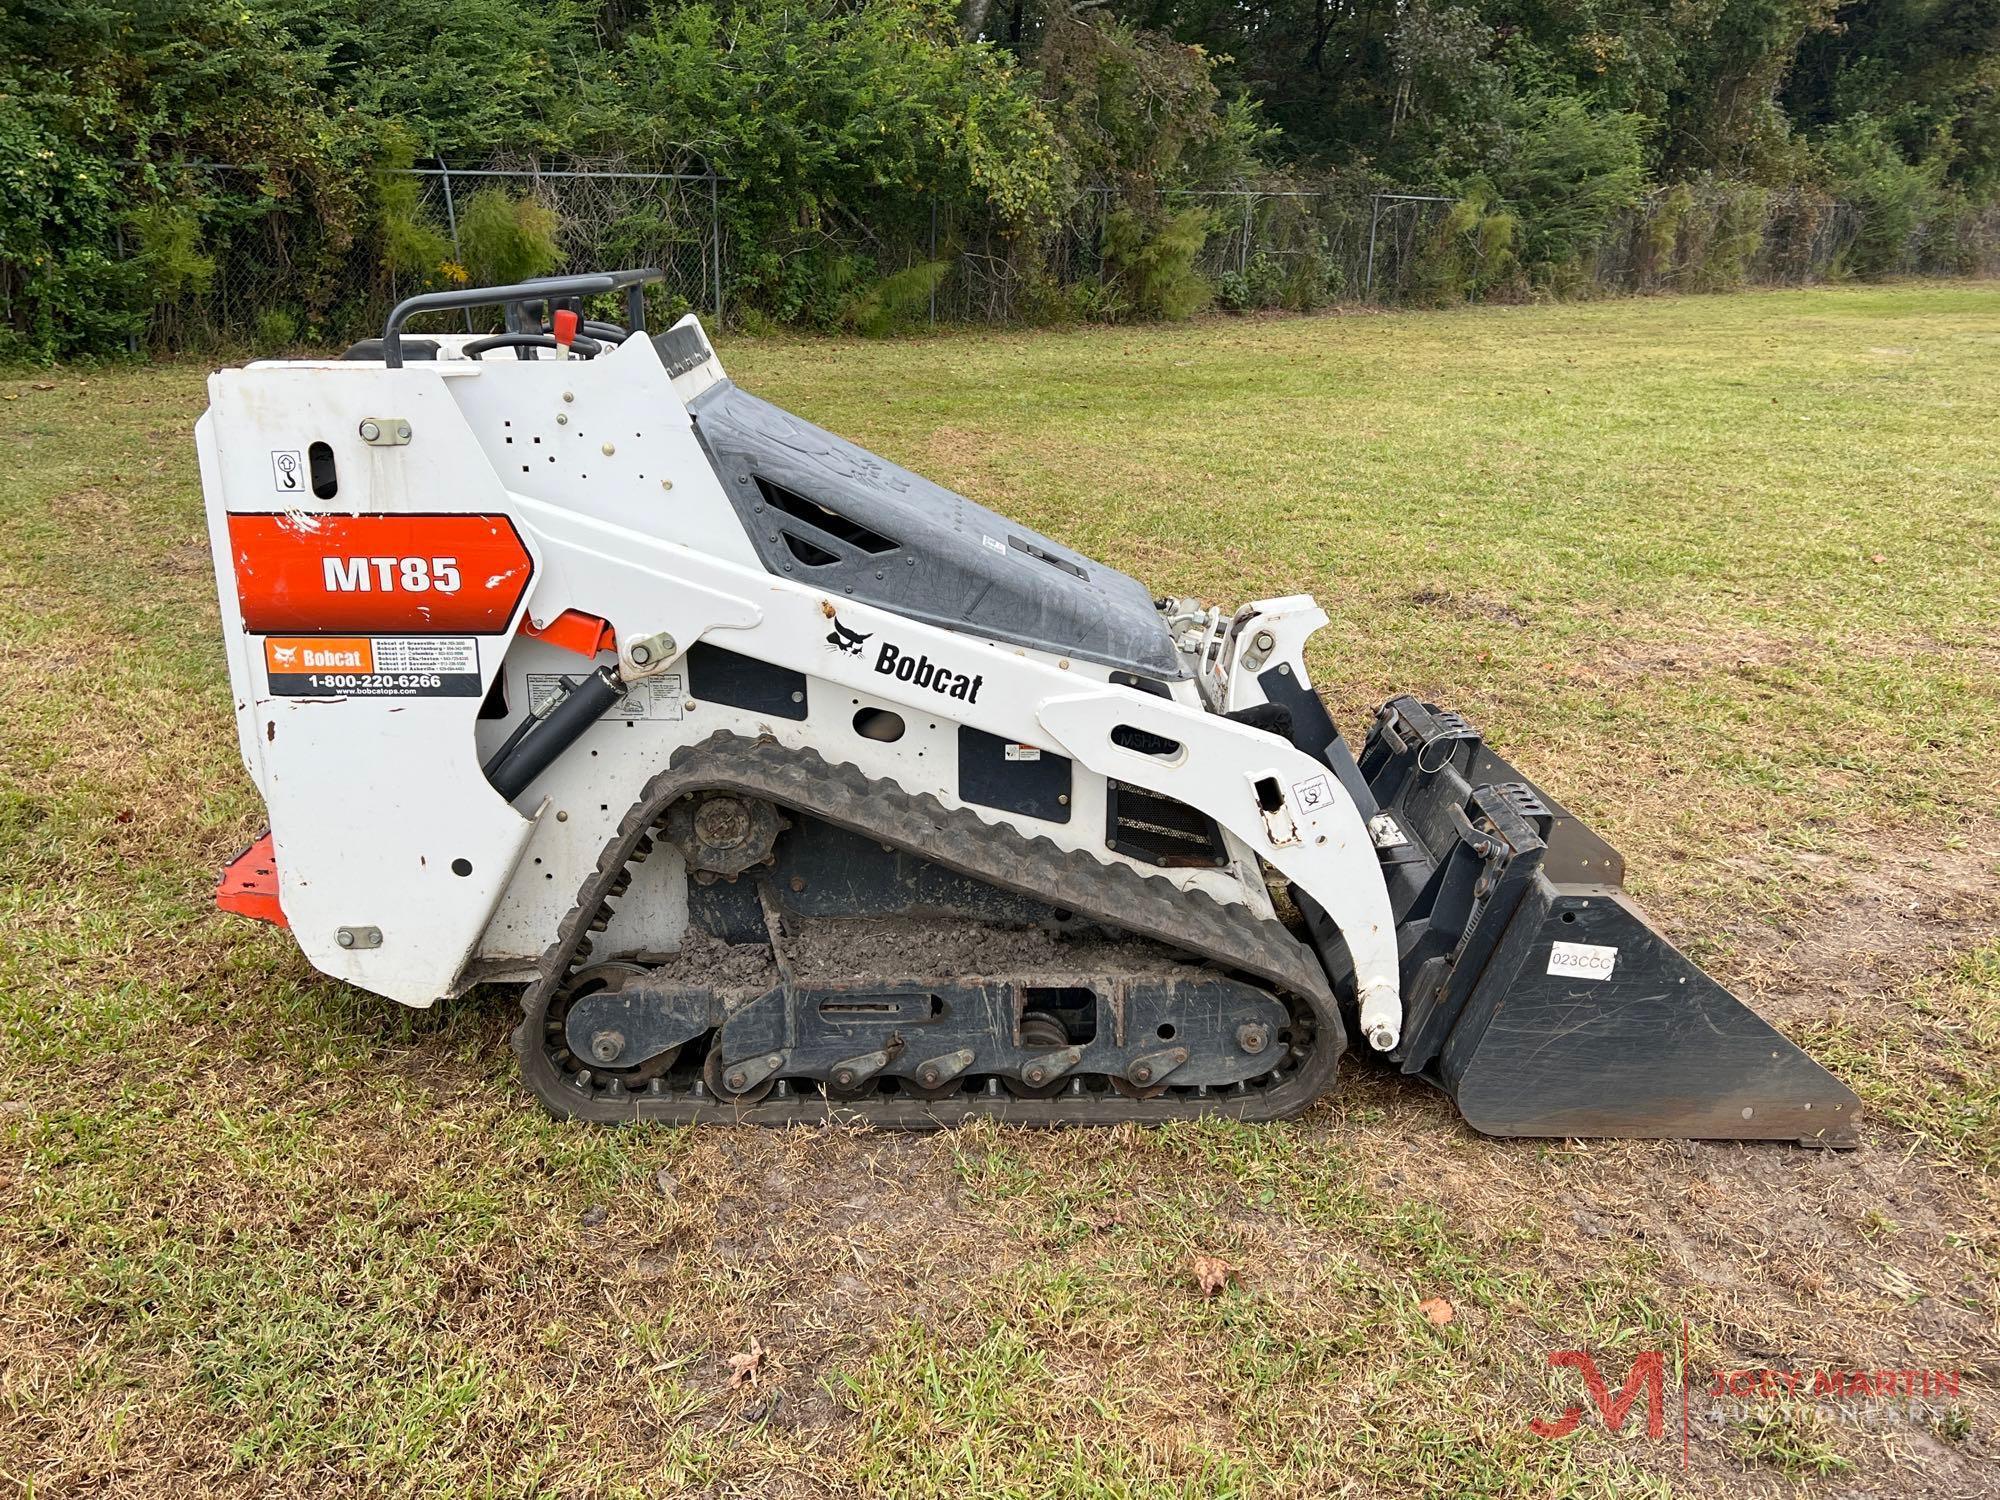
x=1354 y=239
x=606 y=218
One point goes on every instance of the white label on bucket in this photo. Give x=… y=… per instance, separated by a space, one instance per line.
x=1582 y=960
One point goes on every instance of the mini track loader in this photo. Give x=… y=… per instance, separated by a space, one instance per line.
x=789 y=785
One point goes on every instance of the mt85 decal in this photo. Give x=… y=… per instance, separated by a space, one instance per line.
x=385 y=574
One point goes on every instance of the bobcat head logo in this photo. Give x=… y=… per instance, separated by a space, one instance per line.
x=843 y=639
x=285 y=656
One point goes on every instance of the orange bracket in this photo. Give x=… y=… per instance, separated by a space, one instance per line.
x=573 y=630
x=249 y=887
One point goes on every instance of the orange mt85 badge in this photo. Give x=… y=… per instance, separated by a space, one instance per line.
x=378 y=574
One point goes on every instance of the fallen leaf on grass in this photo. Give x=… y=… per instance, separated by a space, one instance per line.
x=1211 y=1274
x=743 y=1368
x=45 y=385
x=1437 y=1310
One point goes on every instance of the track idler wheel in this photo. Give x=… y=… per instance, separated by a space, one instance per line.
x=721 y=1080
x=1147 y=1077
x=1040 y=1032
x=596 y=979
x=938 y=1077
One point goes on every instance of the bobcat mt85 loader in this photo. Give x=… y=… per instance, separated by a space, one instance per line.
x=791 y=786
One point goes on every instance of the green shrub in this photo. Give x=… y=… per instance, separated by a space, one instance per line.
x=817 y=111
x=1735 y=237
x=168 y=251
x=1954 y=243
x=277 y=330
x=897 y=301
x=1565 y=171
x=1656 y=243
x=814 y=285
x=1040 y=299
x=1101 y=301
x=507 y=239
x=413 y=244
x=1317 y=279
x=1137 y=112
x=1470 y=253
x=757 y=323
x=1893 y=195
x=1267 y=281
x=1153 y=266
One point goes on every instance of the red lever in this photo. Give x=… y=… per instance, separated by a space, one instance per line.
x=565 y=321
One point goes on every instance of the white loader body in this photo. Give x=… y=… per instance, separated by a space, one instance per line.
x=380 y=817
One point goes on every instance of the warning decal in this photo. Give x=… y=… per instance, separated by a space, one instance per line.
x=648 y=698
x=1312 y=794
x=400 y=666
x=288 y=471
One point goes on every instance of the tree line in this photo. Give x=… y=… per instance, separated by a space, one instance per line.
x=1543 y=120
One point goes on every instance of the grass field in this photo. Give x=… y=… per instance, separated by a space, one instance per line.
x=1723 y=573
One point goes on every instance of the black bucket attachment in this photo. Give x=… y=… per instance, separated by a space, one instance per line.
x=1535 y=992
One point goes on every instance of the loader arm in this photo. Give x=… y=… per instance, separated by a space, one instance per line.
x=649 y=588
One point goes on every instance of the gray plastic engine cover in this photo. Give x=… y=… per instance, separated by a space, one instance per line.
x=896 y=540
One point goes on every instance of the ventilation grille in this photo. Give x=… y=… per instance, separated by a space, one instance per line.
x=817 y=516
x=1159 y=830
x=806 y=552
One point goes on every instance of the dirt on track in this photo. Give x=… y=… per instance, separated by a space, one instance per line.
x=954 y=948
x=895 y=948
x=1763 y=1257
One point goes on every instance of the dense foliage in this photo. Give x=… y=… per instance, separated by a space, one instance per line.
x=143 y=145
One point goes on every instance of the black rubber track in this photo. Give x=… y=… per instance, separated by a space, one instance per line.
x=1115 y=895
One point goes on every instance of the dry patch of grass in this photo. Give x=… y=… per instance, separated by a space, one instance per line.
x=1719 y=572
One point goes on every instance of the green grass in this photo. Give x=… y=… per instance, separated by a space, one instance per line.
x=1721 y=572
x=1935 y=1068
x=1791 y=1439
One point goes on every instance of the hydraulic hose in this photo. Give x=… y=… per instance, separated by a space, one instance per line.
x=533 y=748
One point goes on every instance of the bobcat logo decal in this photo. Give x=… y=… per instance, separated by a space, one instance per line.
x=843 y=639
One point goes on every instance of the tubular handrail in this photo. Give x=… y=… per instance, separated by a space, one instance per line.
x=542 y=289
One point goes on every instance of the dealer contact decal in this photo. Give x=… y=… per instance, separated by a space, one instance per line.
x=394 y=666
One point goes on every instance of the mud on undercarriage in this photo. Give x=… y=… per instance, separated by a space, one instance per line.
x=859 y=953
x=1047 y=988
